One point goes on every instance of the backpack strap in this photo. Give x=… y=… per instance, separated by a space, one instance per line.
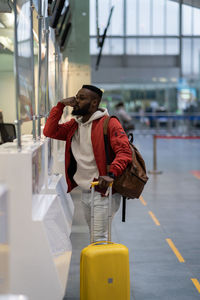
x=105 y=125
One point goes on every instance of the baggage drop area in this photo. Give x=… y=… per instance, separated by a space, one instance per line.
x=161 y=228
x=137 y=60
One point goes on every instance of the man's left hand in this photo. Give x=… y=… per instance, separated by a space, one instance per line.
x=104 y=182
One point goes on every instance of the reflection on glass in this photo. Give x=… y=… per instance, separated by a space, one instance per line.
x=42 y=83
x=52 y=94
x=24 y=64
x=60 y=77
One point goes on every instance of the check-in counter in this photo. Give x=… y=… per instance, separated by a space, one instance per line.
x=40 y=219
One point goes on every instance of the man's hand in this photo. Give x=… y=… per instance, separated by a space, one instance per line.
x=71 y=101
x=104 y=181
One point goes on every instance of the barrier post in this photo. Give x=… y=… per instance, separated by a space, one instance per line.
x=155 y=171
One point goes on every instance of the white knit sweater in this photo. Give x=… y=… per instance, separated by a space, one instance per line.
x=83 y=151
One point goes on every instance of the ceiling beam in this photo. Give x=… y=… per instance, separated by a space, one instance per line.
x=194 y=3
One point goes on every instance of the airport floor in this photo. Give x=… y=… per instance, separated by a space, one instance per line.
x=161 y=228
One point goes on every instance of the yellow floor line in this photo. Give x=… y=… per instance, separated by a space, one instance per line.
x=142 y=200
x=154 y=218
x=196 y=284
x=177 y=253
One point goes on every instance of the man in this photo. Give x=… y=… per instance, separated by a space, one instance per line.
x=124 y=117
x=85 y=158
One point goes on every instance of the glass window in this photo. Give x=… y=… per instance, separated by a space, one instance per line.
x=187 y=20
x=131 y=46
x=93 y=46
x=131 y=17
x=116 y=24
x=172 y=26
x=94 y=50
x=116 y=46
x=196 y=55
x=144 y=17
x=172 y=46
x=106 y=47
x=196 y=20
x=111 y=46
x=104 y=9
x=157 y=46
x=158 y=17
x=186 y=56
x=144 y=46
x=151 y=46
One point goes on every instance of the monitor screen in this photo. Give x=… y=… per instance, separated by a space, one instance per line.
x=57 y=7
x=64 y=15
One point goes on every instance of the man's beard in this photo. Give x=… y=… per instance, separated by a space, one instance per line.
x=81 y=111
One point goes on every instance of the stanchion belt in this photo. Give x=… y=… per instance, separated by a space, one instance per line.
x=177 y=137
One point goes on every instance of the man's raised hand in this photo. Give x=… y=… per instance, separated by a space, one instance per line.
x=71 y=101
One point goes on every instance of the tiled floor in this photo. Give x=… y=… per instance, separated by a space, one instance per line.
x=173 y=200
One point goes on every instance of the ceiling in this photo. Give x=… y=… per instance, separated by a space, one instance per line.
x=194 y=3
x=7 y=21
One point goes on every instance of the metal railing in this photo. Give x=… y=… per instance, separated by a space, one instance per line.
x=166 y=123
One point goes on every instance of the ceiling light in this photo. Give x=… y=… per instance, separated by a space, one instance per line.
x=163 y=79
x=174 y=79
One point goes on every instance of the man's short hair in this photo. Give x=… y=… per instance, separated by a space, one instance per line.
x=120 y=104
x=93 y=89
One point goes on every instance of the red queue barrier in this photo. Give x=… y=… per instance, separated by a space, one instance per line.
x=177 y=137
x=155 y=137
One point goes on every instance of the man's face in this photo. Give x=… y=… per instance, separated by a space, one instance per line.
x=84 y=99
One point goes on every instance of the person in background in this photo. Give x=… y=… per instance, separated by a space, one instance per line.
x=85 y=158
x=124 y=118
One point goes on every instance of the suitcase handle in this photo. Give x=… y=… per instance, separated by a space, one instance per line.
x=101 y=242
x=97 y=183
x=93 y=184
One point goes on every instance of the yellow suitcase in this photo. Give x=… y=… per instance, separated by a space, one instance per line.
x=104 y=267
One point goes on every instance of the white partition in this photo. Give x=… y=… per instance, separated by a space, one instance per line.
x=39 y=223
x=55 y=183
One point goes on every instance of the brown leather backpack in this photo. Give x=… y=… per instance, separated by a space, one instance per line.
x=131 y=182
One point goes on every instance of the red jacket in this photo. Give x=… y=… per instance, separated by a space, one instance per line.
x=121 y=153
